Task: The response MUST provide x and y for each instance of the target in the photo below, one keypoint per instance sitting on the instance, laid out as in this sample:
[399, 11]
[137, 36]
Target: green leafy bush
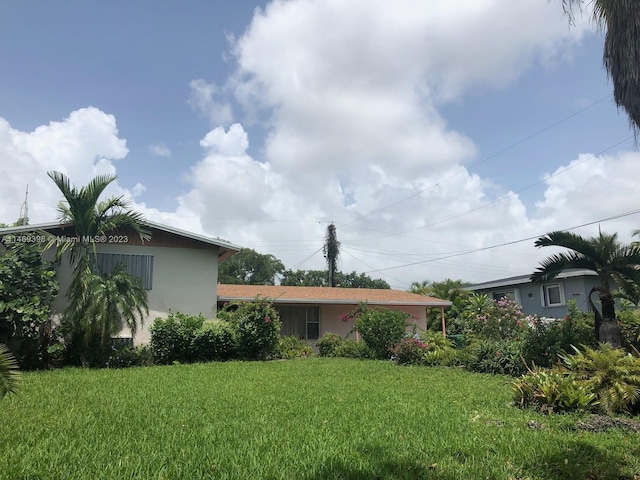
[629, 321]
[293, 347]
[257, 326]
[501, 357]
[441, 350]
[380, 328]
[328, 343]
[172, 337]
[352, 349]
[214, 341]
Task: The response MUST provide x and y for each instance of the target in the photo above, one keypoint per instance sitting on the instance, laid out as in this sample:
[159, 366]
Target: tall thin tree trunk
[609, 329]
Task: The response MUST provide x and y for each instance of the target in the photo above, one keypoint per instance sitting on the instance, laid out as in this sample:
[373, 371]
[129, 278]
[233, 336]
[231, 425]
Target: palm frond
[9, 374]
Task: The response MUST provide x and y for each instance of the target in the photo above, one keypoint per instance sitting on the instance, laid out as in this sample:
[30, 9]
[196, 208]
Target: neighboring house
[178, 268]
[310, 312]
[544, 299]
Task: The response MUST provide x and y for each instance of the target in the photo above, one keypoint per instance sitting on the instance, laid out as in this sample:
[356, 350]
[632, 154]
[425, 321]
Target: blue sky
[423, 132]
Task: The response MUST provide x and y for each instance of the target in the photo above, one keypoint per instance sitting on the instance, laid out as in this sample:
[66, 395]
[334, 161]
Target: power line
[484, 160]
[633, 212]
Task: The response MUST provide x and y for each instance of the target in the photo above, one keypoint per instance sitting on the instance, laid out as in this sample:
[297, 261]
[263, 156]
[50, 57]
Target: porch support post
[444, 328]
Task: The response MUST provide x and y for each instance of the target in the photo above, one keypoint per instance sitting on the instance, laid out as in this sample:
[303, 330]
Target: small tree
[9, 375]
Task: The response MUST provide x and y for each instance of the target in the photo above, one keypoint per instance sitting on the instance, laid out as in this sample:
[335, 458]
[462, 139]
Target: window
[511, 294]
[552, 295]
[301, 322]
[140, 266]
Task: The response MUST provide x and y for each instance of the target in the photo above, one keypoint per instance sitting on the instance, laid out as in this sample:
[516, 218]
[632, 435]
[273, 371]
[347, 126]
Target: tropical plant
[108, 303]
[612, 261]
[612, 374]
[92, 220]
[27, 288]
[490, 319]
[448, 289]
[620, 21]
[9, 375]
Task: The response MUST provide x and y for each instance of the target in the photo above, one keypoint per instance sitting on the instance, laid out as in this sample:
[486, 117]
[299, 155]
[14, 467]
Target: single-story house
[310, 312]
[544, 299]
[179, 269]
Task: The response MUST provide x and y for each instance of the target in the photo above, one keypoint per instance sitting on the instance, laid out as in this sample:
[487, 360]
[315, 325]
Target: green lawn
[302, 419]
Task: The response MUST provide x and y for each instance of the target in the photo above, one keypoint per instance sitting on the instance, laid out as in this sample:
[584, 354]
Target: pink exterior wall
[330, 317]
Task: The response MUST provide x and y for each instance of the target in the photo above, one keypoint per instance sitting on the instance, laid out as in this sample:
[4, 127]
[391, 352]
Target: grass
[302, 419]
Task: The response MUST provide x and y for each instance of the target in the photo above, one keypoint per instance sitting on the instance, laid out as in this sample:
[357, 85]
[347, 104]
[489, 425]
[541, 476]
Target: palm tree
[620, 19]
[92, 293]
[9, 375]
[612, 261]
[110, 302]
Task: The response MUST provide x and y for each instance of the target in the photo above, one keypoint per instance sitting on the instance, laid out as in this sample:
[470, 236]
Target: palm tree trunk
[609, 329]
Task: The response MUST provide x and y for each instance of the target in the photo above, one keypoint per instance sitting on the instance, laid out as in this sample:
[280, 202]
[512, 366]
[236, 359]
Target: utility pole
[24, 209]
[331, 251]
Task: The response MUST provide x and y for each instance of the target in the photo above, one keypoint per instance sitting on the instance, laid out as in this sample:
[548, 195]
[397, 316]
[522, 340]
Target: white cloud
[160, 149]
[81, 146]
[203, 99]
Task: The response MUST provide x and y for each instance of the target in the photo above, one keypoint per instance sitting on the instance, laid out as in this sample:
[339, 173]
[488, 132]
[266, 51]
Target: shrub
[215, 341]
[494, 320]
[352, 349]
[381, 328]
[545, 340]
[257, 325]
[328, 343]
[410, 351]
[129, 356]
[172, 337]
[293, 347]
[502, 357]
[629, 320]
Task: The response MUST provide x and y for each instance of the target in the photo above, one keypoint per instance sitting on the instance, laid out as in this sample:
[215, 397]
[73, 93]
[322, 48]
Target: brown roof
[283, 294]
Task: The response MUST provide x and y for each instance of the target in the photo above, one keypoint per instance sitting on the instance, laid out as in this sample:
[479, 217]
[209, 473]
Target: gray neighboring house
[544, 299]
[179, 269]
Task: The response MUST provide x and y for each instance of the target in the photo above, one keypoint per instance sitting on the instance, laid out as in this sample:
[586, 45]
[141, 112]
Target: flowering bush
[410, 351]
[546, 339]
[496, 320]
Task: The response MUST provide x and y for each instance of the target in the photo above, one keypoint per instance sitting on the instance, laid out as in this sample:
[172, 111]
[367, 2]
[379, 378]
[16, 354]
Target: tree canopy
[248, 267]
[320, 278]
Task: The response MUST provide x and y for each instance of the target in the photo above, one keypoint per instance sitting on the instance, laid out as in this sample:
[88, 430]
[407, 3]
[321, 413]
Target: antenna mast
[24, 209]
